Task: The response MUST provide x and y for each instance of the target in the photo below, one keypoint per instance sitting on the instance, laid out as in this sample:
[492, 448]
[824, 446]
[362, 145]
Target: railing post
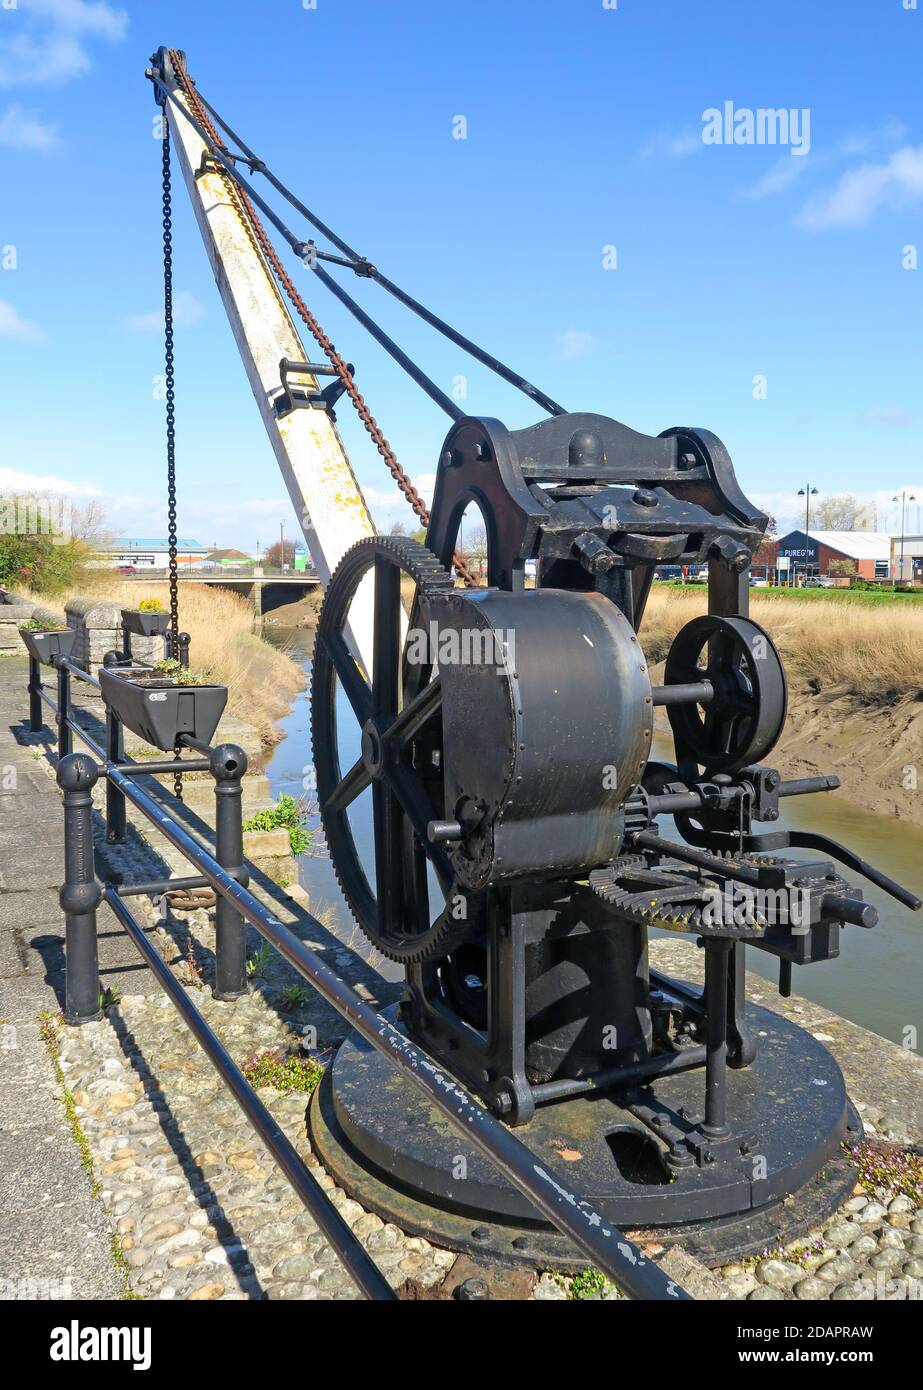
[80, 892]
[35, 699]
[115, 799]
[228, 765]
[65, 739]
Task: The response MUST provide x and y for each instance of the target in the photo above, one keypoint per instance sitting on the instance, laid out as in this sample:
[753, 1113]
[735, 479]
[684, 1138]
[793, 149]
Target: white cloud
[673, 146]
[777, 179]
[19, 329]
[881, 508]
[55, 49]
[575, 342]
[14, 481]
[389, 506]
[890, 415]
[80, 17]
[861, 192]
[22, 130]
[187, 312]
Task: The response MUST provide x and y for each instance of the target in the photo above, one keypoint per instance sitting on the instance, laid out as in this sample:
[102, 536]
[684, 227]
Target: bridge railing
[548, 1189]
[203, 571]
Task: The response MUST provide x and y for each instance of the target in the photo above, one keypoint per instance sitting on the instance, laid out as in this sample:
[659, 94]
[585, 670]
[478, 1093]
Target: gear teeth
[430, 577]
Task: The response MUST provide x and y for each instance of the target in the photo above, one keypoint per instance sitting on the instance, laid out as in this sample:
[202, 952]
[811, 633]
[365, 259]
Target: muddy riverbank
[875, 750]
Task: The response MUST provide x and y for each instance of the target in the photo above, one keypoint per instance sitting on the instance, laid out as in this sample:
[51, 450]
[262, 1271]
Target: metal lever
[809, 839]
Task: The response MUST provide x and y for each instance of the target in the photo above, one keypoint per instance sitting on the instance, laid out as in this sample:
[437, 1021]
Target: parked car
[819, 581]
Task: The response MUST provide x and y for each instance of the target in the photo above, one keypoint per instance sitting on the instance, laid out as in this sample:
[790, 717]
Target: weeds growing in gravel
[588, 1283]
[284, 1071]
[888, 1173]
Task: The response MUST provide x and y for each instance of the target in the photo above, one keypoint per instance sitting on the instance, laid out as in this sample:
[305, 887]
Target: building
[912, 550]
[145, 554]
[813, 552]
[235, 559]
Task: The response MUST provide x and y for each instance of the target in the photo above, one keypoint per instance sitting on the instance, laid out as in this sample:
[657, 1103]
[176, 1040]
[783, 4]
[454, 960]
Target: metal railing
[547, 1188]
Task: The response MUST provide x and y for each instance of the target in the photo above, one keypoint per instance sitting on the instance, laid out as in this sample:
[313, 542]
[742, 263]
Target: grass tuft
[283, 1071]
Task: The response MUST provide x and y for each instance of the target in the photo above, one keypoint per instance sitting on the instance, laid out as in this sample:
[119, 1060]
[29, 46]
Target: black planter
[145, 624]
[159, 711]
[44, 645]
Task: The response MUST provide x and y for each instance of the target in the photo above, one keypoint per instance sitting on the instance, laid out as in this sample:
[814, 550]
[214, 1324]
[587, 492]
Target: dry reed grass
[873, 652]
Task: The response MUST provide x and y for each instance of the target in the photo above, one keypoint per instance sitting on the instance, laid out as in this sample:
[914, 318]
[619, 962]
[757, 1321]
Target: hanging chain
[249, 217]
[169, 382]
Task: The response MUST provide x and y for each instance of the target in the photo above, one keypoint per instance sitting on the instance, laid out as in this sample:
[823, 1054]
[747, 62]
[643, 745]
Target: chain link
[169, 383]
[249, 217]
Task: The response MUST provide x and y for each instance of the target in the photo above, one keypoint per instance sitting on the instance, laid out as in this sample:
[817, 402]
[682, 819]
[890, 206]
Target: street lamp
[807, 492]
[904, 498]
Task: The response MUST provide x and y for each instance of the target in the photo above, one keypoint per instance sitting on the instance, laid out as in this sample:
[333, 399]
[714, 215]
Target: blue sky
[734, 262]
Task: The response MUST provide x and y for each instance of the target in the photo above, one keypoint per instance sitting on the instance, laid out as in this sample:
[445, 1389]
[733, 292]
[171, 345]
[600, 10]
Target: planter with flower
[159, 703]
[149, 619]
[45, 640]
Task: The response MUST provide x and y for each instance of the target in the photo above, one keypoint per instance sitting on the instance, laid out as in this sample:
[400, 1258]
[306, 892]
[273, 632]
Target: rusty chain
[250, 219]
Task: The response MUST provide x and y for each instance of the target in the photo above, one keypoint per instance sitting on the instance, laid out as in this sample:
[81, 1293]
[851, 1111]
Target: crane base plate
[393, 1151]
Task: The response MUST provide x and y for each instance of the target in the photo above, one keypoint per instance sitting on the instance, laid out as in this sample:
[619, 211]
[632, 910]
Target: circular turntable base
[389, 1147]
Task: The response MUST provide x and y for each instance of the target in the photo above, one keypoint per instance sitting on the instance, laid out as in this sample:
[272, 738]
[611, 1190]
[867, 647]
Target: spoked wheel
[399, 713]
[744, 718]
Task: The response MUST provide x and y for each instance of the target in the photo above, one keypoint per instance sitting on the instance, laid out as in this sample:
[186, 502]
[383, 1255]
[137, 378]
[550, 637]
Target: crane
[296, 414]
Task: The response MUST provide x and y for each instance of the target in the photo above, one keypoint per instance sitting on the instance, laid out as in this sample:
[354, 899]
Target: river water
[876, 982]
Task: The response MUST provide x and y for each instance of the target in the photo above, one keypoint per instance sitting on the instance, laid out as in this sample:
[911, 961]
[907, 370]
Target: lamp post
[807, 492]
[904, 498]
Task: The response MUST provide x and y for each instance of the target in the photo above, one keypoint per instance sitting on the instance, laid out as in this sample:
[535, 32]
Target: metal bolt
[473, 1290]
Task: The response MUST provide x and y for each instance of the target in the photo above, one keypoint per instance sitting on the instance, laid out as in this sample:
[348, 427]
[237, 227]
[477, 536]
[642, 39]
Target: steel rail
[365, 268]
[353, 1254]
[545, 1187]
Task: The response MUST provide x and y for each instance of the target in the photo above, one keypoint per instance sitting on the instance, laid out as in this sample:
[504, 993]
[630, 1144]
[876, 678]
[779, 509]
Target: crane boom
[323, 488]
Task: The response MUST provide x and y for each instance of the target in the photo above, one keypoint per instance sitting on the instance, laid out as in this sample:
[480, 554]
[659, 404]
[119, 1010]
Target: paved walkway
[54, 1237]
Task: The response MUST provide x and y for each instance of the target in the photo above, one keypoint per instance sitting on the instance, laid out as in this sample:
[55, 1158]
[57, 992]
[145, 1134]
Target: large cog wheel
[399, 714]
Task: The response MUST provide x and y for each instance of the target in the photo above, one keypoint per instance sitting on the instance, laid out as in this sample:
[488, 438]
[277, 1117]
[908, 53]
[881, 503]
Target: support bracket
[298, 396]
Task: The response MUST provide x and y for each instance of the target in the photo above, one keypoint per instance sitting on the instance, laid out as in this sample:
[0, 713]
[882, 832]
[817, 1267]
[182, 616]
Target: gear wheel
[401, 765]
[668, 896]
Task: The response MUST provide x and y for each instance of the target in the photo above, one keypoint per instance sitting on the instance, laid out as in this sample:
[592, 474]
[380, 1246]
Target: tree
[843, 513]
[843, 569]
[475, 551]
[399, 529]
[39, 548]
[275, 555]
[765, 553]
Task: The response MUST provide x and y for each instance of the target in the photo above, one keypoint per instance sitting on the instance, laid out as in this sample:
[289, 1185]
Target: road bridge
[265, 589]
